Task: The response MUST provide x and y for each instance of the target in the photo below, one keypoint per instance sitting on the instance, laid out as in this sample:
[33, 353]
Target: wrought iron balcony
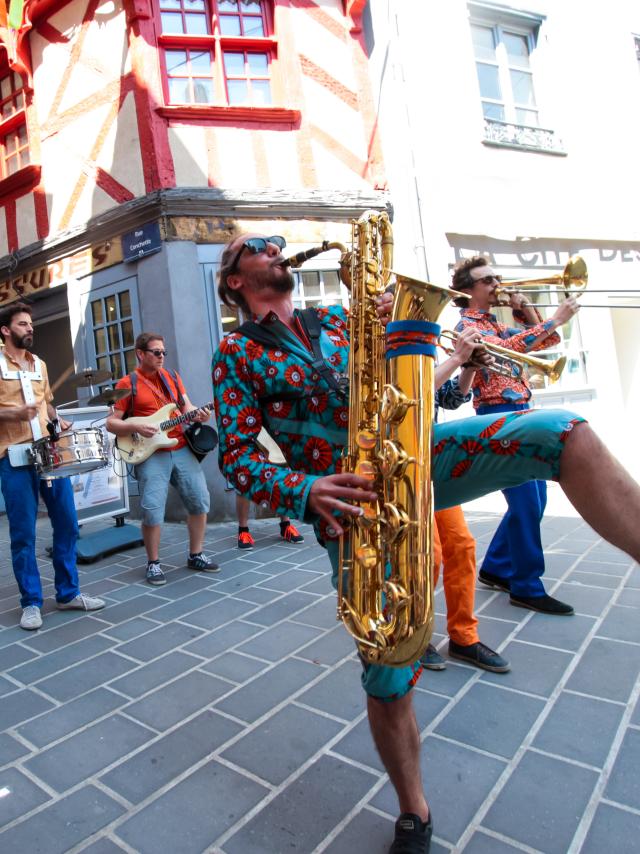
[522, 137]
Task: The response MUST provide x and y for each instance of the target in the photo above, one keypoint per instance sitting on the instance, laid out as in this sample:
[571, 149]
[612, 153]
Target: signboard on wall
[142, 241]
[75, 266]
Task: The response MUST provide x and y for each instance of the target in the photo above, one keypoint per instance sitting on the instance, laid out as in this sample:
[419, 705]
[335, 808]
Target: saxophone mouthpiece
[299, 258]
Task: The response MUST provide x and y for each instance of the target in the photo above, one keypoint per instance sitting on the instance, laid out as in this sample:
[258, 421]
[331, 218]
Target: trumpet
[511, 364]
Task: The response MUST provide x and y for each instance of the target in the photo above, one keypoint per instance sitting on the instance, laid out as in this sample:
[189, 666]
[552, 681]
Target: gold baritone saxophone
[385, 580]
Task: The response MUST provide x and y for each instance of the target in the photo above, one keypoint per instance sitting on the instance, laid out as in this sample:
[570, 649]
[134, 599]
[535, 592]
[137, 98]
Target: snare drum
[74, 452]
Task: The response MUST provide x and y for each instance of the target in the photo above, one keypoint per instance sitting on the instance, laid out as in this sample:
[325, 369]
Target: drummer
[25, 413]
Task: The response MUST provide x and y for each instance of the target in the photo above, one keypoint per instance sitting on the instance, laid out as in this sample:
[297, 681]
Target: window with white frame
[503, 45]
[504, 73]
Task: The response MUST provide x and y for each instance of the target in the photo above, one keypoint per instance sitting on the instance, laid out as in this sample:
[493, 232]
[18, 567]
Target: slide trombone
[572, 281]
[509, 363]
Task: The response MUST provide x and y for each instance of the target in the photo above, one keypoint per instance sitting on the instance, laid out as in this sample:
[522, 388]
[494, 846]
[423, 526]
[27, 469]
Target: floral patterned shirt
[255, 385]
[490, 388]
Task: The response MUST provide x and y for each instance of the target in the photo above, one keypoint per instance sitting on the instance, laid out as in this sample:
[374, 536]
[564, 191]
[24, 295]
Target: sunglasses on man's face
[488, 280]
[157, 353]
[255, 245]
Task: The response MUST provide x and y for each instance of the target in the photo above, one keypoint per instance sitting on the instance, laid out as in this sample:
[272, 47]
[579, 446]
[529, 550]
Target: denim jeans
[20, 488]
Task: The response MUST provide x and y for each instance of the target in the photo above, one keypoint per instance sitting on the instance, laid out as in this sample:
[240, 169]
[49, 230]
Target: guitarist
[152, 388]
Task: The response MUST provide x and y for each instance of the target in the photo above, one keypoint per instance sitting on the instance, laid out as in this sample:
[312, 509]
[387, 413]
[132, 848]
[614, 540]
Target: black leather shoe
[545, 604]
[492, 580]
[479, 655]
[413, 836]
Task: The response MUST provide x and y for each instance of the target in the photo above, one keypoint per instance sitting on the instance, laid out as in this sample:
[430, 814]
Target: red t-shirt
[151, 395]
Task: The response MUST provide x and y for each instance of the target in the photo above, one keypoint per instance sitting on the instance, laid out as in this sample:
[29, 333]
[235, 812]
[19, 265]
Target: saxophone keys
[397, 522]
[395, 404]
[393, 460]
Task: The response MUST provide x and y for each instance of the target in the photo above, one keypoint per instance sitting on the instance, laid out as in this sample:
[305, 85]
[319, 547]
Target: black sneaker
[413, 836]
[492, 580]
[545, 604]
[479, 655]
[432, 660]
[155, 575]
[202, 562]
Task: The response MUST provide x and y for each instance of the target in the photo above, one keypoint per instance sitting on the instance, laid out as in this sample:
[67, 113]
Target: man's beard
[276, 277]
[22, 342]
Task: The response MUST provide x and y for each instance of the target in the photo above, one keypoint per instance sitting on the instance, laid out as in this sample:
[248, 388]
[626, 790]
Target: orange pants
[455, 549]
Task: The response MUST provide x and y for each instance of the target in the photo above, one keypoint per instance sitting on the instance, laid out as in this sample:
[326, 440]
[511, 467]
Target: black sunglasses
[488, 280]
[255, 245]
[156, 353]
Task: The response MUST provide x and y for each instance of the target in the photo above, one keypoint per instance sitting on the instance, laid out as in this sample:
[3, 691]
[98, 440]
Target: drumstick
[63, 376]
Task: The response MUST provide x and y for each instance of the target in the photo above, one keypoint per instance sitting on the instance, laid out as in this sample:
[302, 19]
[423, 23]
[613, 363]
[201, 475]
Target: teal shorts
[472, 457]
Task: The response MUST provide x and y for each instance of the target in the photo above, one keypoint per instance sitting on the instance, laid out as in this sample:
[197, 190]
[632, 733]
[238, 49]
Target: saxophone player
[275, 377]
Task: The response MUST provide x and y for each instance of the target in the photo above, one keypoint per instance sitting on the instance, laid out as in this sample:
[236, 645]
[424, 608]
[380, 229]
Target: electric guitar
[135, 448]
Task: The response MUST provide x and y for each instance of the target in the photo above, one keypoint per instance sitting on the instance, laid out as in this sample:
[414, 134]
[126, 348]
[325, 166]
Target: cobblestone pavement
[224, 713]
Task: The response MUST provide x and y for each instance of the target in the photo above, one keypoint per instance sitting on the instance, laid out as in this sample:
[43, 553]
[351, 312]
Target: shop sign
[143, 241]
[75, 266]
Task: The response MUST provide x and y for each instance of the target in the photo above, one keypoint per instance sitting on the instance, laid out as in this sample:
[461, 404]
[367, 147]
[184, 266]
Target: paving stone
[580, 728]
[45, 665]
[131, 608]
[629, 597]
[506, 716]
[606, 670]
[257, 595]
[69, 762]
[621, 623]
[534, 669]
[280, 641]
[358, 746]
[131, 591]
[237, 668]
[103, 846]
[339, 693]
[131, 629]
[590, 601]
[70, 717]
[149, 676]
[449, 681]
[498, 607]
[213, 643]
[292, 579]
[10, 749]
[454, 776]
[494, 632]
[158, 641]
[566, 633]
[284, 608]
[606, 553]
[251, 701]
[285, 825]
[62, 825]
[83, 626]
[593, 579]
[614, 570]
[167, 758]
[624, 780]
[366, 833]
[330, 648]
[560, 792]
[427, 705]
[6, 686]
[172, 703]
[20, 706]
[201, 821]
[12, 656]
[633, 581]
[612, 830]
[219, 613]
[21, 795]
[282, 743]
[240, 582]
[184, 605]
[482, 843]
[83, 677]
[322, 614]
[635, 717]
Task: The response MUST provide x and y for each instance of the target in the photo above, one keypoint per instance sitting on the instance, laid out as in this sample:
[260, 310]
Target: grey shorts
[178, 468]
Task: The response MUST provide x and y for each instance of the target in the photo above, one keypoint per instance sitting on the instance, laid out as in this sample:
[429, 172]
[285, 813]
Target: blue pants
[515, 551]
[20, 488]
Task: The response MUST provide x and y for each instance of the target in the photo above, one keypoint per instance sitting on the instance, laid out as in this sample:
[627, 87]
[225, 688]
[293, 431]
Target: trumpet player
[514, 561]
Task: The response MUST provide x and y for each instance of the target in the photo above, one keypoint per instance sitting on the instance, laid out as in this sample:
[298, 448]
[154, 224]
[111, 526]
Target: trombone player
[514, 561]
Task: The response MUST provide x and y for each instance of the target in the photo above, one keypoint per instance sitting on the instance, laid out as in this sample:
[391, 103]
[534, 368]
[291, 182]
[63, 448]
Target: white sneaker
[30, 618]
[81, 603]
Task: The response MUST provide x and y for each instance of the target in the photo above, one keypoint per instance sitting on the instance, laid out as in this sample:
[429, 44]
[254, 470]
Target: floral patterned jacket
[256, 386]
